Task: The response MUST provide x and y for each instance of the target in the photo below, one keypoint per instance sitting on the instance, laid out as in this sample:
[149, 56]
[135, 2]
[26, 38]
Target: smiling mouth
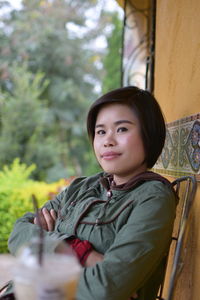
[109, 156]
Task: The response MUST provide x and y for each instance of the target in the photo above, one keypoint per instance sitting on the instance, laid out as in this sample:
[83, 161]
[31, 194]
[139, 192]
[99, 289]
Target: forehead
[116, 110]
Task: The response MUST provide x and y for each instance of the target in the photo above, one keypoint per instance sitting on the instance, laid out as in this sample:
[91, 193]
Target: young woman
[119, 222]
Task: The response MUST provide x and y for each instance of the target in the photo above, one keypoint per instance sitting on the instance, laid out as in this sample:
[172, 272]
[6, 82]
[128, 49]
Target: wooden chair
[186, 189]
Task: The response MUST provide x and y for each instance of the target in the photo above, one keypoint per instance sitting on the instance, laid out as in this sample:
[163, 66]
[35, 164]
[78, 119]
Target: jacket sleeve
[25, 229]
[138, 249]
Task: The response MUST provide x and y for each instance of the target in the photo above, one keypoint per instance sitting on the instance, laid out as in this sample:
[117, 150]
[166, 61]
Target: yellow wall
[177, 71]
[177, 88]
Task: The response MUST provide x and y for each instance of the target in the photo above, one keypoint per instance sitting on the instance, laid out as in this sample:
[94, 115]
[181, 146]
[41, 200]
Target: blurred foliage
[26, 129]
[48, 72]
[112, 59]
[16, 189]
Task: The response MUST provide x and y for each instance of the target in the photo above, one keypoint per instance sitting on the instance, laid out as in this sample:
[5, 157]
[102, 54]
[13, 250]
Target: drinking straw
[41, 232]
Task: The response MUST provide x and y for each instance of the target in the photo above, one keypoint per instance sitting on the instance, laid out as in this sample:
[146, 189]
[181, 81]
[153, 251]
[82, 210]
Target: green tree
[112, 59]
[54, 38]
[25, 130]
[41, 33]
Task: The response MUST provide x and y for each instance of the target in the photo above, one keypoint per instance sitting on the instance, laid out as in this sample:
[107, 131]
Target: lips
[110, 155]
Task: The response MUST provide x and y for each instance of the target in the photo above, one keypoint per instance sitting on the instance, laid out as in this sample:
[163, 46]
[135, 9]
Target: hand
[93, 258]
[134, 296]
[47, 219]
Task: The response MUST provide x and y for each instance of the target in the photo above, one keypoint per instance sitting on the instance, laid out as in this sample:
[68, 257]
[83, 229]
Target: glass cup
[55, 278]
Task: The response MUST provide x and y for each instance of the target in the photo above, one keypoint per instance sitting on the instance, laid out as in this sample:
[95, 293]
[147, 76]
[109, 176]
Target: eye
[122, 129]
[100, 132]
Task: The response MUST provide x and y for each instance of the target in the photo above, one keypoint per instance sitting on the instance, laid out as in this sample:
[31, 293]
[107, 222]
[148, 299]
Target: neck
[120, 179]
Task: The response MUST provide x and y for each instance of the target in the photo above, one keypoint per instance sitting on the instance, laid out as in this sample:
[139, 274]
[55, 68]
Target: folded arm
[137, 251]
[26, 227]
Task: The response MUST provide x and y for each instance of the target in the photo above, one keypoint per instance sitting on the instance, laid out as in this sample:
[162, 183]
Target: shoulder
[157, 196]
[84, 183]
[156, 190]
[156, 186]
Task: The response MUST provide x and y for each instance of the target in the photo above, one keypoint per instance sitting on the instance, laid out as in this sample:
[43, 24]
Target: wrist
[81, 248]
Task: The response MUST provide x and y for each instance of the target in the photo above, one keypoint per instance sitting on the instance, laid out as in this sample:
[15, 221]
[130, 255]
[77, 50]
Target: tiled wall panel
[181, 153]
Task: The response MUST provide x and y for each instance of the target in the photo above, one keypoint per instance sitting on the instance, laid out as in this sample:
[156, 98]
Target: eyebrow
[116, 123]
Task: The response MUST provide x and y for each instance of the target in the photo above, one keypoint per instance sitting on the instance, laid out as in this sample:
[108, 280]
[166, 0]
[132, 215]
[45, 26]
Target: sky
[99, 43]
[109, 4]
[15, 3]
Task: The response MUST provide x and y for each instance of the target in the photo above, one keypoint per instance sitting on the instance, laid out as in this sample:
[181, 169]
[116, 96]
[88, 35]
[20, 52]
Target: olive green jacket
[132, 228]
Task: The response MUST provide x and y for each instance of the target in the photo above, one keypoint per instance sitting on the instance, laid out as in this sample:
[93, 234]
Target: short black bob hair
[147, 109]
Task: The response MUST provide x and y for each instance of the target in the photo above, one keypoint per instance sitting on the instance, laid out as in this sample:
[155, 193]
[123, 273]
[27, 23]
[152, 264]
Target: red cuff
[81, 248]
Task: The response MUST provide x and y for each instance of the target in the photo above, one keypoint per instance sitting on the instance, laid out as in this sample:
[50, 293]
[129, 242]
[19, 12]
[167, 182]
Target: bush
[16, 190]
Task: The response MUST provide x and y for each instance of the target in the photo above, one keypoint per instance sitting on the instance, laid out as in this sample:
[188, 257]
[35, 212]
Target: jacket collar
[109, 184]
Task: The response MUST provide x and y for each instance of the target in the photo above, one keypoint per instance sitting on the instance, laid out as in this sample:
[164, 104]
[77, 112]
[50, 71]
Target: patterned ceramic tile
[181, 153]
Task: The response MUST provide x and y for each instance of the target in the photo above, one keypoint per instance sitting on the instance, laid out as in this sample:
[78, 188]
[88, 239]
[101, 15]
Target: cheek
[134, 143]
[95, 146]
[128, 141]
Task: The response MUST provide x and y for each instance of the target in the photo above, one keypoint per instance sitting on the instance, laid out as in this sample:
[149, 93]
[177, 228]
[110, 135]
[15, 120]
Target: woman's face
[117, 142]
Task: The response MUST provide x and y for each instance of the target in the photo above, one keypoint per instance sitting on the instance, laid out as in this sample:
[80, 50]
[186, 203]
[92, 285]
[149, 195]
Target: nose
[109, 140]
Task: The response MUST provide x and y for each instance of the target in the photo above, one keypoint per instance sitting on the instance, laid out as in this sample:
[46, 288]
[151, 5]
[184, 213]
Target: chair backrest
[186, 189]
